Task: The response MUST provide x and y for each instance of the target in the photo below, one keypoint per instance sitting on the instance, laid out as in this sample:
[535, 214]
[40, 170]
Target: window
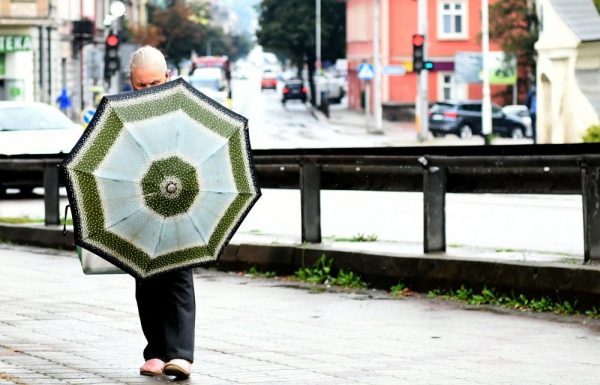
[452, 20]
[448, 89]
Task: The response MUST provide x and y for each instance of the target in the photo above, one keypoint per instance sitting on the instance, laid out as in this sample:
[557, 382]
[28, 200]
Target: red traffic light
[418, 40]
[112, 40]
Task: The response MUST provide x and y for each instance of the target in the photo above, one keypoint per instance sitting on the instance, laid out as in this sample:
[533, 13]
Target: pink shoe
[178, 368]
[153, 367]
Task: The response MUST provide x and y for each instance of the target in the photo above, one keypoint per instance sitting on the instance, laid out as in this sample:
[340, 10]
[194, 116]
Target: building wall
[400, 19]
[564, 112]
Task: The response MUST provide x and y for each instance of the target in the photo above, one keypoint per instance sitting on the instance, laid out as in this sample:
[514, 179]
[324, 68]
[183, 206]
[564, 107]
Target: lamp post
[318, 52]
[486, 111]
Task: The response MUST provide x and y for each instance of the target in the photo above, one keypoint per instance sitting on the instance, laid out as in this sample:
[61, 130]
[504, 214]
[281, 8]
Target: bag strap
[65, 224]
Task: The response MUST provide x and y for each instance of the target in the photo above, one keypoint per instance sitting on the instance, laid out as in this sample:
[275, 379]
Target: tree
[174, 31]
[289, 27]
[514, 26]
[597, 4]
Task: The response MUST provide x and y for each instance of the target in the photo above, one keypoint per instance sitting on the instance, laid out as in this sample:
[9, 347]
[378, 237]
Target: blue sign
[396, 70]
[366, 72]
[87, 115]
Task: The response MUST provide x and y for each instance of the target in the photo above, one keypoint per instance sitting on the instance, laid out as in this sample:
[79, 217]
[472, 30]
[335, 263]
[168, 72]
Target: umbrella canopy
[160, 180]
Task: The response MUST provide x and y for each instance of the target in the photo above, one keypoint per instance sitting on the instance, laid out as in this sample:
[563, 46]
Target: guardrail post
[590, 191]
[434, 202]
[310, 196]
[52, 216]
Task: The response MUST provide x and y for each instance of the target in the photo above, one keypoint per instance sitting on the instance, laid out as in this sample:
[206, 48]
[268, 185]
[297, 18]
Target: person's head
[147, 68]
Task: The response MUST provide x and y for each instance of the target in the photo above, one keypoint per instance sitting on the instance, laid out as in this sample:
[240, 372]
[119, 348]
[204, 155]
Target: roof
[582, 16]
[589, 83]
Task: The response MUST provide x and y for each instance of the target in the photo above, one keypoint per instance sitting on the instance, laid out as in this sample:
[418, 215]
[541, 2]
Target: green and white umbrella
[160, 180]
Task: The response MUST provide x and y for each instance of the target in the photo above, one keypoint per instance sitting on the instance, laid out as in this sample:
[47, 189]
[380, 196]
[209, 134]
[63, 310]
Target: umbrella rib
[159, 237]
[197, 229]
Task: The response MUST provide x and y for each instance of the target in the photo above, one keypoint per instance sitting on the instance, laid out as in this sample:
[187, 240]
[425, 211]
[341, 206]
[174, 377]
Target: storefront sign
[468, 67]
[2, 64]
[15, 43]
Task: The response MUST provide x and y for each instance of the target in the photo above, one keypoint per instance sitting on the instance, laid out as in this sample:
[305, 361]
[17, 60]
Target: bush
[592, 135]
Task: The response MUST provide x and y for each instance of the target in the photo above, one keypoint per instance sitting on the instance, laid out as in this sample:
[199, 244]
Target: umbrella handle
[65, 224]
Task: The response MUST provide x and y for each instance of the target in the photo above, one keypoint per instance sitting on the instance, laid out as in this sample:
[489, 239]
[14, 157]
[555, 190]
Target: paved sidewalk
[58, 326]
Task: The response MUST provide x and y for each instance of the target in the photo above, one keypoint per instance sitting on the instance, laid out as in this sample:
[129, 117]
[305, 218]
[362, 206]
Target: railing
[435, 171]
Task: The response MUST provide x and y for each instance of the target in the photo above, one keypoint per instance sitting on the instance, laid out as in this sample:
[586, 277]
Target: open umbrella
[160, 180]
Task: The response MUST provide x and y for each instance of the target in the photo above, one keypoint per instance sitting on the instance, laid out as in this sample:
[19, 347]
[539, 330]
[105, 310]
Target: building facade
[568, 70]
[453, 26]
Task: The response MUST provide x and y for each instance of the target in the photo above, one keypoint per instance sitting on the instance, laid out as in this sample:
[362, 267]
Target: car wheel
[517, 133]
[465, 132]
[437, 135]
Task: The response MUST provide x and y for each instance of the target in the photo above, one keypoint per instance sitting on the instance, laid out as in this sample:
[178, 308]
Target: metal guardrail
[435, 171]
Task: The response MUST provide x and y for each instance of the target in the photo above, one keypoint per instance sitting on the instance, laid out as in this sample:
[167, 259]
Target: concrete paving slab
[257, 331]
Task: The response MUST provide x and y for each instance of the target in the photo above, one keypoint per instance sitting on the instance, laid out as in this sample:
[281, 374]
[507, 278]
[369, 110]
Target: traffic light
[419, 64]
[112, 61]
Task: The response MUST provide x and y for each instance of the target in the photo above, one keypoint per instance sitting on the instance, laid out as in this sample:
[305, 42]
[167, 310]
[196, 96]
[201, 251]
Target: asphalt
[58, 326]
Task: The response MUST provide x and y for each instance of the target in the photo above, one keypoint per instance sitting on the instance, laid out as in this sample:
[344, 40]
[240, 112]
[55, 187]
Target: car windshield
[21, 118]
[441, 107]
[212, 84]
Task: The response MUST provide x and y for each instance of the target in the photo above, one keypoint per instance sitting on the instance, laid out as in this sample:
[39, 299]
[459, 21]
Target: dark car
[463, 118]
[294, 90]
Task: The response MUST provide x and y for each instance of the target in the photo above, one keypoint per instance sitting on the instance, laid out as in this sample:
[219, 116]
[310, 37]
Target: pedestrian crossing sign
[365, 71]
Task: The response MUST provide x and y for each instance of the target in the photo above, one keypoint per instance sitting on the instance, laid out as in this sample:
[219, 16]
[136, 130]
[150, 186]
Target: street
[58, 326]
[525, 224]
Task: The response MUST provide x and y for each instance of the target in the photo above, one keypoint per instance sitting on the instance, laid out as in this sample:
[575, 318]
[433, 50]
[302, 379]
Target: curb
[421, 273]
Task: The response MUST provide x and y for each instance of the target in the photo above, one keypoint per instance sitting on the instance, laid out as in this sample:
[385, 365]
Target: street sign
[366, 72]
[86, 116]
[468, 68]
[394, 70]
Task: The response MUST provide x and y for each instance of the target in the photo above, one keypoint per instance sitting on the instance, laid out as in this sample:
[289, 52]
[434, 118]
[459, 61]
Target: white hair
[145, 57]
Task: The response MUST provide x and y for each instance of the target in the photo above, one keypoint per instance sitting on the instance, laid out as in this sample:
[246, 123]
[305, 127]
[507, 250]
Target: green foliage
[289, 27]
[321, 272]
[514, 26]
[349, 279]
[397, 289]
[597, 4]
[593, 313]
[491, 297]
[255, 272]
[463, 294]
[544, 304]
[317, 273]
[360, 237]
[565, 308]
[592, 135]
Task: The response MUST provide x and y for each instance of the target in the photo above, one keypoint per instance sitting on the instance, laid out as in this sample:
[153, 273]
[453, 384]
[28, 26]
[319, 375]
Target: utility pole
[422, 105]
[318, 52]
[377, 70]
[486, 111]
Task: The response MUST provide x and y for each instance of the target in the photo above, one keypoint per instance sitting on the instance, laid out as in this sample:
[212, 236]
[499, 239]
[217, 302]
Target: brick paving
[58, 326]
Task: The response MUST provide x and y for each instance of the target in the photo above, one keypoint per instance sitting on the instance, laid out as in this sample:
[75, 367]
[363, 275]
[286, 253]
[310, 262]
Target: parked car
[463, 118]
[210, 82]
[29, 128]
[332, 87]
[294, 90]
[523, 112]
[36, 128]
[269, 80]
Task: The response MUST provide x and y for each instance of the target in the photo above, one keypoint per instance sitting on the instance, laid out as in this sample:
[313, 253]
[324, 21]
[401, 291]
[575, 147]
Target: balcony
[21, 11]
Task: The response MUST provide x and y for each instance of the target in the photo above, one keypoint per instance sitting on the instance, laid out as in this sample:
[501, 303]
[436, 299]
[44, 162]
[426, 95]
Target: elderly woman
[166, 303]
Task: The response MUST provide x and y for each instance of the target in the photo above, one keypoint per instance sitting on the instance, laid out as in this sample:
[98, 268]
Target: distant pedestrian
[532, 106]
[64, 101]
[166, 303]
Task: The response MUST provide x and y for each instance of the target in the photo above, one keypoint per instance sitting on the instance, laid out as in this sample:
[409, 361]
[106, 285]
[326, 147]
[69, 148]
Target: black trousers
[167, 308]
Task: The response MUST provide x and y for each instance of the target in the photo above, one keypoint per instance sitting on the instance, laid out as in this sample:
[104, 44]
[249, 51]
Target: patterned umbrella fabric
[161, 179]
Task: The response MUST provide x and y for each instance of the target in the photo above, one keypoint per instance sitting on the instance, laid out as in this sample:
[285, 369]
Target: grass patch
[321, 273]
[492, 297]
[25, 220]
[360, 237]
[253, 271]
